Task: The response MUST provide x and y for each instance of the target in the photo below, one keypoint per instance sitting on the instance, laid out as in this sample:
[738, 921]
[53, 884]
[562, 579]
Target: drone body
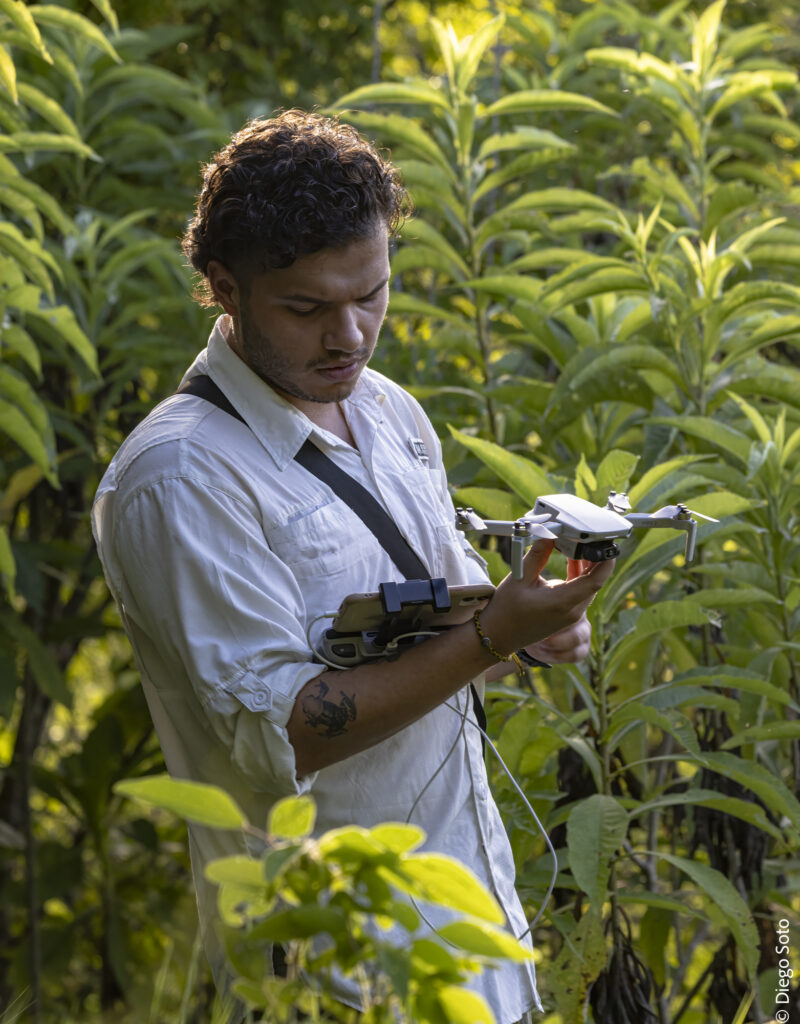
[579, 528]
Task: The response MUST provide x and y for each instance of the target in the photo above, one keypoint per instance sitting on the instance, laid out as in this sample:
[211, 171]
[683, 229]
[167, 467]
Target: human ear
[224, 287]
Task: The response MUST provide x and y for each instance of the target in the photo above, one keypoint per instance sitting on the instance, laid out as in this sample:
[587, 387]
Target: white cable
[392, 646]
[533, 814]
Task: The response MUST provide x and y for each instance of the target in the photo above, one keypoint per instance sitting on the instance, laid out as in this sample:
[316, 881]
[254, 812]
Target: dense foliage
[597, 292]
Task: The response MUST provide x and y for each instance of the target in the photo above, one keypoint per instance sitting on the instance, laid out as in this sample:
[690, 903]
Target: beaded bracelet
[487, 643]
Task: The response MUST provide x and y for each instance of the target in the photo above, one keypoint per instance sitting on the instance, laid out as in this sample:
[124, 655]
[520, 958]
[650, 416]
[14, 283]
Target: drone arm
[641, 519]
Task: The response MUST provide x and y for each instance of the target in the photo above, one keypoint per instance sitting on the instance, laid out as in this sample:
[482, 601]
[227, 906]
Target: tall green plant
[635, 329]
[95, 324]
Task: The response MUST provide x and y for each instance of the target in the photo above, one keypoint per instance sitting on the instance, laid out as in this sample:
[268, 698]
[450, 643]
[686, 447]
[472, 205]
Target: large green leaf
[440, 879]
[74, 23]
[528, 101]
[418, 92]
[714, 432]
[596, 828]
[195, 801]
[404, 130]
[48, 109]
[59, 325]
[42, 142]
[483, 939]
[521, 475]
[716, 886]
[20, 15]
[764, 783]
[655, 621]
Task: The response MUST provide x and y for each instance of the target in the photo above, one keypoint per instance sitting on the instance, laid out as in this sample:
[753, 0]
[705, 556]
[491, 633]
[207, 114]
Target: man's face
[309, 329]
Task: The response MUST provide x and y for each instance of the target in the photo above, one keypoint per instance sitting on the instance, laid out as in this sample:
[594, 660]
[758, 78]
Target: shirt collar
[281, 428]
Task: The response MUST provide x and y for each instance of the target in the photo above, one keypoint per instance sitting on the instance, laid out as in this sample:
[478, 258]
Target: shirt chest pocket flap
[321, 539]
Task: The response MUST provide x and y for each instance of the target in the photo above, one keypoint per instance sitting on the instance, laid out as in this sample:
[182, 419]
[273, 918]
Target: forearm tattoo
[326, 716]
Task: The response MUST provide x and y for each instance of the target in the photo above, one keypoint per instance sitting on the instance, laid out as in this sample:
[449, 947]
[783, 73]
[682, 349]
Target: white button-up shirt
[220, 551]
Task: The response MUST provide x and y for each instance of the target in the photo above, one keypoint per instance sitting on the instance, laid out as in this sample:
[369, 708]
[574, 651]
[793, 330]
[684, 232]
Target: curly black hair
[286, 187]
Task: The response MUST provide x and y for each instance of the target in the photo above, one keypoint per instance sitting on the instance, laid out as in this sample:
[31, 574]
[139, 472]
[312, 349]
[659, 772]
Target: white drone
[579, 528]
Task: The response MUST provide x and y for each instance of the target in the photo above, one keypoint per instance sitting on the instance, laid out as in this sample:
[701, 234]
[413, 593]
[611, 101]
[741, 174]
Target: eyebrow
[313, 300]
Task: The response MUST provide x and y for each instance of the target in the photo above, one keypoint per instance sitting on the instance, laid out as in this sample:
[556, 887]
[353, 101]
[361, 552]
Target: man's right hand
[523, 612]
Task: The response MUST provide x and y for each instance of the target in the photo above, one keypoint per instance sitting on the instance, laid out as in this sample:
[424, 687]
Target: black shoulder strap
[204, 387]
[368, 510]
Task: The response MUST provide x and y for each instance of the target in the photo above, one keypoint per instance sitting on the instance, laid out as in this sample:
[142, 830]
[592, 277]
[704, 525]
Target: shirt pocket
[321, 539]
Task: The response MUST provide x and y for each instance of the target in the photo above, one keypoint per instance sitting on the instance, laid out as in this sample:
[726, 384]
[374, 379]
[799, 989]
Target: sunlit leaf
[292, 818]
[195, 801]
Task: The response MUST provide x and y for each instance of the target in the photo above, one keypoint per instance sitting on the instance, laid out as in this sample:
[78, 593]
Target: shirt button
[260, 699]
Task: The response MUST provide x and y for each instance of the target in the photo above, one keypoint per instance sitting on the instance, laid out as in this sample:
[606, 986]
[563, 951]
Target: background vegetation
[598, 291]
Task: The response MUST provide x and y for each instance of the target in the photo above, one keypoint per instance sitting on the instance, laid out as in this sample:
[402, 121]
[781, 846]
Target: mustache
[340, 359]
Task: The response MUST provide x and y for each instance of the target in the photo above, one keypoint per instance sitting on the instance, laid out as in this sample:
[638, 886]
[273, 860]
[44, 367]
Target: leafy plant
[358, 891]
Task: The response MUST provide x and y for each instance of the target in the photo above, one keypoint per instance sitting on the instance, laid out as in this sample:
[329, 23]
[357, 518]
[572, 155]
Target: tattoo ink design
[325, 715]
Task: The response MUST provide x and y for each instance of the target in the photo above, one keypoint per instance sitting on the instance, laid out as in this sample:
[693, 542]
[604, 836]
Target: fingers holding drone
[526, 611]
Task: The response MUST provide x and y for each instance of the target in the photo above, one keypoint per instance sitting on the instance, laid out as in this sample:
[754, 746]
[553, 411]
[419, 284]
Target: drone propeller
[680, 511]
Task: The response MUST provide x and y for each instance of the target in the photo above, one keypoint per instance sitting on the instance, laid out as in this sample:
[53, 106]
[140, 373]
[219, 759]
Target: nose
[343, 332]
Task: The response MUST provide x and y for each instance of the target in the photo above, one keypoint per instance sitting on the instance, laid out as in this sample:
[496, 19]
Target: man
[224, 553]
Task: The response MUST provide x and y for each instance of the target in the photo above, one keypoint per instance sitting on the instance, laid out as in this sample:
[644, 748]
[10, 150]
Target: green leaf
[410, 305]
[42, 199]
[59, 324]
[483, 939]
[403, 129]
[672, 722]
[769, 731]
[43, 142]
[195, 801]
[8, 74]
[440, 879]
[20, 429]
[522, 137]
[30, 255]
[462, 1006]
[744, 84]
[473, 49]
[300, 922]
[583, 956]
[602, 282]
[395, 92]
[292, 818]
[645, 64]
[638, 357]
[747, 810]
[706, 37]
[521, 475]
[755, 777]
[715, 433]
[8, 567]
[398, 838]
[526, 101]
[48, 109]
[514, 286]
[655, 621]
[657, 473]
[41, 662]
[77, 24]
[724, 894]
[20, 15]
[596, 828]
[238, 869]
[108, 12]
[421, 231]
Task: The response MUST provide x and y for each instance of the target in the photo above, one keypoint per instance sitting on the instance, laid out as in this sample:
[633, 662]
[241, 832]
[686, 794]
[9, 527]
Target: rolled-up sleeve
[199, 580]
